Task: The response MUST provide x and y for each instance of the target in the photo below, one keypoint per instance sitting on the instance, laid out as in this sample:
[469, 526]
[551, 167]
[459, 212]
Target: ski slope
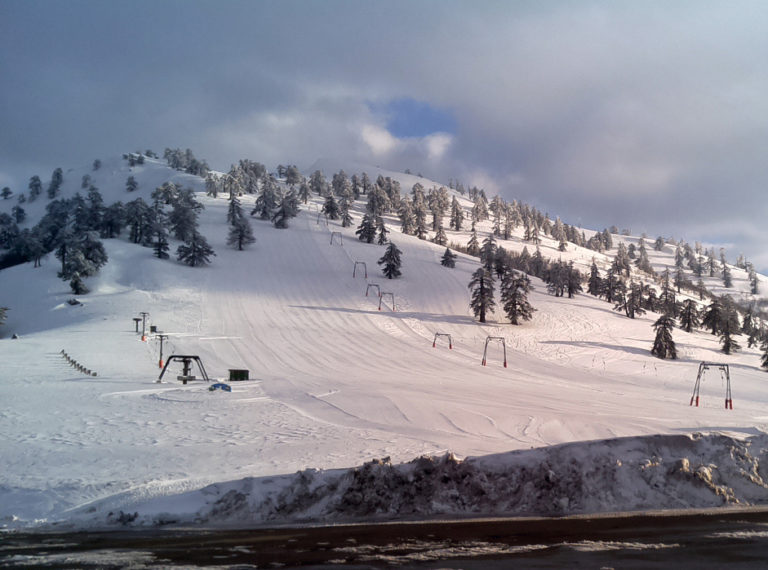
[335, 382]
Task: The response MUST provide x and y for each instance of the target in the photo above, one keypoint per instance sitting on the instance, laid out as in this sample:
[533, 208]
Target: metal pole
[144, 316]
[162, 337]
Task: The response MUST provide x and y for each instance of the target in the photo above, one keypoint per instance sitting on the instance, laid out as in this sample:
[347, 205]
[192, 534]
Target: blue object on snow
[220, 386]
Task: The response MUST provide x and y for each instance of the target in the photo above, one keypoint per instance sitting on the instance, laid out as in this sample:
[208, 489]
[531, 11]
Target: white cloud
[379, 140]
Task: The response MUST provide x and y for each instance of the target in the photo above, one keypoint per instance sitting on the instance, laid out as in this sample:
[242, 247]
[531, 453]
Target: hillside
[335, 382]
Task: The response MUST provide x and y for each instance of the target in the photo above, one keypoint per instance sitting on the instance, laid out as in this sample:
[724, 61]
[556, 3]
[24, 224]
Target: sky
[650, 116]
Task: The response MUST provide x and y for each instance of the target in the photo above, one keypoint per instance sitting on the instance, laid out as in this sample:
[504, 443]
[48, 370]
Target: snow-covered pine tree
[211, 185]
[440, 237]
[630, 301]
[35, 187]
[240, 233]
[160, 243]
[112, 220]
[573, 281]
[663, 344]
[82, 255]
[754, 287]
[287, 208]
[727, 277]
[304, 192]
[346, 217]
[366, 231]
[234, 211]
[595, 283]
[138, 218]
[488, 252]
[293, 176]
[391, 261]
[406, 216]
[195, 251]
[689, 315]
[382, 231]
[55, 185]
[457, 217]
[713, 316]
[473, 246]
[729, 327]
[331, 207]
[420, 218]
[514, 297]
[621, 261]
[18, 213]
[482, 300]
[131, 184]
[267, 200]
[448, 259]
[764, 357]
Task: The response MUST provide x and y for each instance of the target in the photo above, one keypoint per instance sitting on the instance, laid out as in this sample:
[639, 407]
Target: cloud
[646, 115]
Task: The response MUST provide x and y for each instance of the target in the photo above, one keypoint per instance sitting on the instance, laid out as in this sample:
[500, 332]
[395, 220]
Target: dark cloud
[646, 115]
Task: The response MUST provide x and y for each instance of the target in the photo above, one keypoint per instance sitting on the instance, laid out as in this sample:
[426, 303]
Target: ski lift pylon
[361, 264]
[503, 345]
[386, 294]
[446, 335]
[724, 372]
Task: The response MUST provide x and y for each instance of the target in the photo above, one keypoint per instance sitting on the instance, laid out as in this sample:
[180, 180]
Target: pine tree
[482, 300]
[331, 207]
[18, 213]
[160, 244]
[267, 200]
[630, 301]
[727, 278]
[488, 252]
[183, 216]
[304, 192]
[6, 193]
[514, 297]
[382, 231]
[753, 283]
[366, 231]
[689, 316]
[764, 357]
[473, 246]
[448, 259]
[3, 314]
[195, 251]
[440, 237]
[595, 283]
[457, 217]
[727, 341]
[406, 217]
[713, 316]
[56, 180]
[346, 218]
[131, 184]
[729, 327]
[391, 261]
[234, 211]
[240, 233]
[420, 218]
[112, 220]
[621, 261]
[663, 345]
[287, 208]
[35, 188]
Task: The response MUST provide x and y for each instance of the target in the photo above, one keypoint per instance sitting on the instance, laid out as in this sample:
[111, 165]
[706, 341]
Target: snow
[583, 419]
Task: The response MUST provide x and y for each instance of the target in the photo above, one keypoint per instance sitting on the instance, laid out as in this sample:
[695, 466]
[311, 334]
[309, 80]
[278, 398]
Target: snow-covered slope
[335, 382]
